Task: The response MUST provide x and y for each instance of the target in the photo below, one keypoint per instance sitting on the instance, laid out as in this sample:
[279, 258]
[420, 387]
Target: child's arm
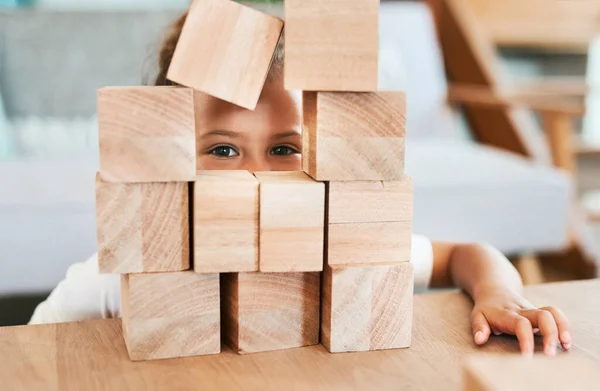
[496, 288]
[84, 294]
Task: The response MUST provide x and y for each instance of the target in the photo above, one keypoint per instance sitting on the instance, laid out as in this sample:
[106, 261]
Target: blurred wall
[52, 63]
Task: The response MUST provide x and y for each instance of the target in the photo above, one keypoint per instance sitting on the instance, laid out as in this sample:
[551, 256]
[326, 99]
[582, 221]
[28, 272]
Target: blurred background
[503, 126]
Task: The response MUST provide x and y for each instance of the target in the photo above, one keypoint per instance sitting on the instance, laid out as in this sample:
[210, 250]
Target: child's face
[265, 139]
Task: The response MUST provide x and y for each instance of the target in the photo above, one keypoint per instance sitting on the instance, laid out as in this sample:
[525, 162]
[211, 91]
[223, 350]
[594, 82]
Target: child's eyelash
[293, 150]
[213, 151]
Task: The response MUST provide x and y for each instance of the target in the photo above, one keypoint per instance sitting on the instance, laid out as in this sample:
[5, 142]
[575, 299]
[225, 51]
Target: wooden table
[92, 355]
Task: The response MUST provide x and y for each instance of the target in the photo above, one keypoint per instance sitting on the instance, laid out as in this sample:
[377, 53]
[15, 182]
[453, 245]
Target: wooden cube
[331, 45]
[292, 219]
[380, 201]
[494, 372]
[225, 222]
[354, 136]
[270, 311]
[367, 307]
[225, 50]
[142, 227]
[169, 315]
[147, 134]
[363, 243]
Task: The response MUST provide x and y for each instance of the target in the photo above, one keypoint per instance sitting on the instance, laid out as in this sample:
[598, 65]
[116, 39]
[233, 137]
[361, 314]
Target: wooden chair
[496, 115]
[546, 25]
[554, 26]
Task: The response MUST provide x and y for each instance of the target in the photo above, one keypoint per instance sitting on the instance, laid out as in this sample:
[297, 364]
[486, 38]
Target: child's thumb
[481, 328]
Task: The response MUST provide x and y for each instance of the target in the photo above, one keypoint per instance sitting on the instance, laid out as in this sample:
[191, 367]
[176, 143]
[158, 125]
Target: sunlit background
[55, 54]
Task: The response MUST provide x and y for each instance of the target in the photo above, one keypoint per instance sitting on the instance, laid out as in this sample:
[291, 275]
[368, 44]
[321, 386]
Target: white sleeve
[83, 295]
[421, 256]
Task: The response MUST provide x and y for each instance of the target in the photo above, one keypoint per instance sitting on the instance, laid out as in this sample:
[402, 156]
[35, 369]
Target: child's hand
[498, 310]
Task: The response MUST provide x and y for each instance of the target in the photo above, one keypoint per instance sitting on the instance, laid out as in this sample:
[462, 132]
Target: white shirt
[86, 294]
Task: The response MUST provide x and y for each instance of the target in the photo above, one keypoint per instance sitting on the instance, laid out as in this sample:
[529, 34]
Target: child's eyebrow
[221, 132]
[288, 133]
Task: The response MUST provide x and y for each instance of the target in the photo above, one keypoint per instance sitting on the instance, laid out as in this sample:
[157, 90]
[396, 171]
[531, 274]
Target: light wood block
[270, 311]
[225, 50]
[225, 222]
[361, 243]
[380, 201]
[494, 372]
[354, 136]
[329, 50]
[147, 134]
[169, 315]
[292, 218]
[142, 227]
[367, 307]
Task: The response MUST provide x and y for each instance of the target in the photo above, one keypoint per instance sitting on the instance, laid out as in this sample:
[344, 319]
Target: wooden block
[169, 315]
[147, 134]
[292, 218]
[142, 227]
[225, 50]
[270, 311]
[329, 50]
[361, 243]
[225, 222]
[354, 136]
[494, 372]
[367, 307]
[380, 201]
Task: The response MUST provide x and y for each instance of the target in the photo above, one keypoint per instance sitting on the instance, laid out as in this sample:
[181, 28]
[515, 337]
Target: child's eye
[283, 150]
[223, 151]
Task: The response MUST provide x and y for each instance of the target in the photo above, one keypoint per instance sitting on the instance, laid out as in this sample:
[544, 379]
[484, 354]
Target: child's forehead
[207, 103]
[297, 96]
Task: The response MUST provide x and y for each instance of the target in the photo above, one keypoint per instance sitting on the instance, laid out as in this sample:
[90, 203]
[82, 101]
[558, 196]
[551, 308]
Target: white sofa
[463, 191]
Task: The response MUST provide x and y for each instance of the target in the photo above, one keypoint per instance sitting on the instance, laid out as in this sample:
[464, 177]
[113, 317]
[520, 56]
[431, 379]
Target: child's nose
[256, 165]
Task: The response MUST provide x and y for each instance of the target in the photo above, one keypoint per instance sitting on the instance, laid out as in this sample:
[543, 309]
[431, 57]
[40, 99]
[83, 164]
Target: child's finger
[481, 328]
[524, 332]
[547, 325]
[564, 330]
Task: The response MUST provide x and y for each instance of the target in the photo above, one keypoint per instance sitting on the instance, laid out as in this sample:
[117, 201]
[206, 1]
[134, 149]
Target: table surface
[92, 355]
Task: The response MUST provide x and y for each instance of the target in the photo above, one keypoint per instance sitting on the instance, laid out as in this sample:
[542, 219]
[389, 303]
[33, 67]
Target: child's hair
[167, 50]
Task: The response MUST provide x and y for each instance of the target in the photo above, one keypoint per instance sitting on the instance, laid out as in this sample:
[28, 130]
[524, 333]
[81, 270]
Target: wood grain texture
[292, 219]
[329, 50]
[142, 227]
[35, 365]
[367, 307]
[169, 315]
[225, 50]
[225, 222]
[497, 372]
[147, 134]
[92, 355]
[354, 136]
[380, 201]
[357, 243]
[270, 311]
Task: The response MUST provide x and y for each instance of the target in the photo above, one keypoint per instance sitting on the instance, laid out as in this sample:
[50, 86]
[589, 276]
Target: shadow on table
[17, 310]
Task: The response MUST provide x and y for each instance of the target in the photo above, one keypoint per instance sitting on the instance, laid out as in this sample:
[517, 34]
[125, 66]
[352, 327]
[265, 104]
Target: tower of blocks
[266, 260]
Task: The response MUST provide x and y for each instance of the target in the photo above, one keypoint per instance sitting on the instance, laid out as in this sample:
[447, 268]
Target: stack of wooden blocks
[268, 260]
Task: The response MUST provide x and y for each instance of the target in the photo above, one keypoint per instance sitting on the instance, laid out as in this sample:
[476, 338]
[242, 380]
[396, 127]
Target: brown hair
[169, 44]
